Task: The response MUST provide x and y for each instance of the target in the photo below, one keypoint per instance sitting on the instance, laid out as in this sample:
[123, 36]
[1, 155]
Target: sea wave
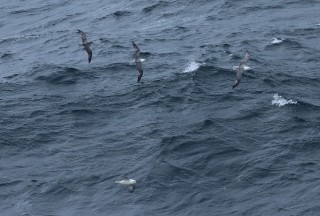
[280, 101]
[193, 66]
[181, 125]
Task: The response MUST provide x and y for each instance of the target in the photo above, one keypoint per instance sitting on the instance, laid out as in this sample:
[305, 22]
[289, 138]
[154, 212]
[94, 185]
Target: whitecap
[193, 66]
[280, 101]
[276, 40]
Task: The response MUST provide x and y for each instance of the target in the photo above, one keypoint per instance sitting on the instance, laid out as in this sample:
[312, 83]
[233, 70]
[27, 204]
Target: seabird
[86, 44]
[129, 182]
[240, 69]
[276, 40]
[138, 61]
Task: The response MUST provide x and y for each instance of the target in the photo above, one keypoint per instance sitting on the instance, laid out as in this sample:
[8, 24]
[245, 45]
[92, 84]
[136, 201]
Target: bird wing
[245, 59]
[83, 36]
[138, 61]
[238, 76]
[137, 54]
[89, 51]
[132, 187]
[140, 70]
[135, 46]
[240, 69]
[140, 76]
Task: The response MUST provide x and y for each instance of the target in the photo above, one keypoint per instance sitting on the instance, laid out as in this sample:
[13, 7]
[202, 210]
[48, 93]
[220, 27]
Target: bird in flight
[86, 44]
[128, 182]
[138, 61]
[240, 69]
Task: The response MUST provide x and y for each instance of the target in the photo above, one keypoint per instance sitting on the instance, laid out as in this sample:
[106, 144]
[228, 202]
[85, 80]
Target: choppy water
[196, 146]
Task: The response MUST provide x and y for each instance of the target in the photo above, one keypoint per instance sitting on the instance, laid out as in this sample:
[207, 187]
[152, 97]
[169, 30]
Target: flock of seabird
[85, 43]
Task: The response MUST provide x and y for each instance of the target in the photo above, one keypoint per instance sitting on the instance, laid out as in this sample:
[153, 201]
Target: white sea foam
[280, 101]
[22, 37]
[276, 40]
[245, 68]
[193, 66]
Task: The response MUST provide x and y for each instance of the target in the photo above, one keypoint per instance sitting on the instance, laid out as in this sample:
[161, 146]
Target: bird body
[128, 182]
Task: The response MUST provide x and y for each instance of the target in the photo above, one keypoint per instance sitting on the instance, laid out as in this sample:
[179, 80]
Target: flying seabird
[129, 182]
[86, 44]
[240, 69]
[138, 61]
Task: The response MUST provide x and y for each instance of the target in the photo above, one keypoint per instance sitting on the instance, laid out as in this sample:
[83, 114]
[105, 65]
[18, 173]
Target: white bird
[129, 182]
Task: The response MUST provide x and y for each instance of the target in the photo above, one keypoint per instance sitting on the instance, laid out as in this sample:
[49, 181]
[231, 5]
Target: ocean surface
[69, 129]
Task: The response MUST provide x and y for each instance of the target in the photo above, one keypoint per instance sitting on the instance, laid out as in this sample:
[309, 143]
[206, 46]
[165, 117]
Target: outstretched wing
[137, 54]
[245, 59]
[83, 36]
[140, 70]
[138, 61]
[238, 76]
[132, 187]
[240, 69]
[140, 75]
[89, 51]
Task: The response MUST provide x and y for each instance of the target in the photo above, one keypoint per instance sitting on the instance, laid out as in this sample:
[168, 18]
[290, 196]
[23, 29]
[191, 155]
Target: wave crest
[280, 101]
[193, 66]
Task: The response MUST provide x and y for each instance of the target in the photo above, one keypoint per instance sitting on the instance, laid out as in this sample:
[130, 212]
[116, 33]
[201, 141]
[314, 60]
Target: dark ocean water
[70, 129]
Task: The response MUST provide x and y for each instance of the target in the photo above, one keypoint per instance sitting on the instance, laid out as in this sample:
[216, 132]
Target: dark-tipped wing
[83, 36]
[245, 59]
[135, 46]
[238, 76]
[138, 61]
[139, 67]
[137, 54]
[132, 187]
[89, 51]
[240, 69]
[140, 76]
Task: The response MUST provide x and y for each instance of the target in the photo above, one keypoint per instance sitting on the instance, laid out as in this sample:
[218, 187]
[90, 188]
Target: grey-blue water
[195, 146]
